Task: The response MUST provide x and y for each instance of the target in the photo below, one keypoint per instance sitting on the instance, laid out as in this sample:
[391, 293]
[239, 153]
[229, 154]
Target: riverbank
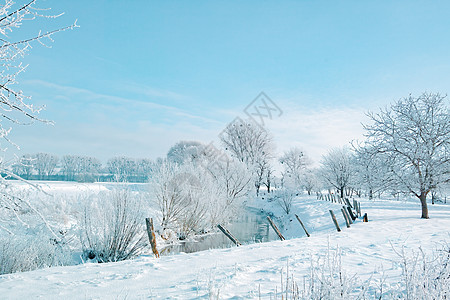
[367, 250]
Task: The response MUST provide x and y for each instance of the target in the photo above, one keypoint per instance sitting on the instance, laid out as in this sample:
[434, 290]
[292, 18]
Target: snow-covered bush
[20, 254]
[112, 227]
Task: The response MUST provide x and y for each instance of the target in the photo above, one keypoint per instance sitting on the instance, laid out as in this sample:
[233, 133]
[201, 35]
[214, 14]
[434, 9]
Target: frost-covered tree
[247, 141]
[45, 164]
[90, 167]
[70, 166]
[144, 167]
[77, 167]
[251, 144]
[413, 136]
[373, 175]
[24, 166]
[294, 162]
[185, 151]
[261, 173]
[270, 178]
[336, 168]
[310, 181]
[121, 167]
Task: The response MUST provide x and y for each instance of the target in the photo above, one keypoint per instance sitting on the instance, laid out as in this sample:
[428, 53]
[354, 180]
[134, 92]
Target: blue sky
[138, 76]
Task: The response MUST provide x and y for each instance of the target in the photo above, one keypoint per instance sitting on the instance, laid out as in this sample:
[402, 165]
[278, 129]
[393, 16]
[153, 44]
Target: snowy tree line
[405, 151]
[45, 166]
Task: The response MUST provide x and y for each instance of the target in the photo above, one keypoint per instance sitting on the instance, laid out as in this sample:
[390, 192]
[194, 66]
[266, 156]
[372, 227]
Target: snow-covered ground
[368, 249]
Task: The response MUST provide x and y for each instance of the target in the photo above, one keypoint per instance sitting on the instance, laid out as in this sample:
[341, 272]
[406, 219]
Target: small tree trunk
[423, 201]
[342, 192]
[370, 194]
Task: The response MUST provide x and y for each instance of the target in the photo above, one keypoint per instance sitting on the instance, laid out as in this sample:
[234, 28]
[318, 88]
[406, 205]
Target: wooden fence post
[301, 223]
[151, 235]
[347, 215]
[347, 222]
[229, 235]
[275, 228]
[334, 220]
[365, 218]
[350, 212]
[348, 202]
[358, 208]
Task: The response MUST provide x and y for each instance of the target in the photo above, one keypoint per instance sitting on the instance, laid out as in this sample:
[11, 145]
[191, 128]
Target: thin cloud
[316, 131]
[153, 92]
[115, 103]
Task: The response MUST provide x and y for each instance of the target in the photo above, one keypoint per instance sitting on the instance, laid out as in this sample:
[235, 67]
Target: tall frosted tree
[251, 144]
[413, 138]
[372, 173]
[336, 169]
[45, 164]
[121, 167]
[295, 162]
[185, 151]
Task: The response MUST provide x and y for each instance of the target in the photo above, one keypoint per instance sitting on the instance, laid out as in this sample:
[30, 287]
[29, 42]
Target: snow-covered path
[238, 272]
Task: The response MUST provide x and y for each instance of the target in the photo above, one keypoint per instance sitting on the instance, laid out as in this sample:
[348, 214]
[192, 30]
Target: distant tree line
[45, 166]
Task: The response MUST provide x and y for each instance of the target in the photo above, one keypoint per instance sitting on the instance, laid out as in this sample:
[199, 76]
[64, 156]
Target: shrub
[112, 228]
[20, 254]
[285, 199]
